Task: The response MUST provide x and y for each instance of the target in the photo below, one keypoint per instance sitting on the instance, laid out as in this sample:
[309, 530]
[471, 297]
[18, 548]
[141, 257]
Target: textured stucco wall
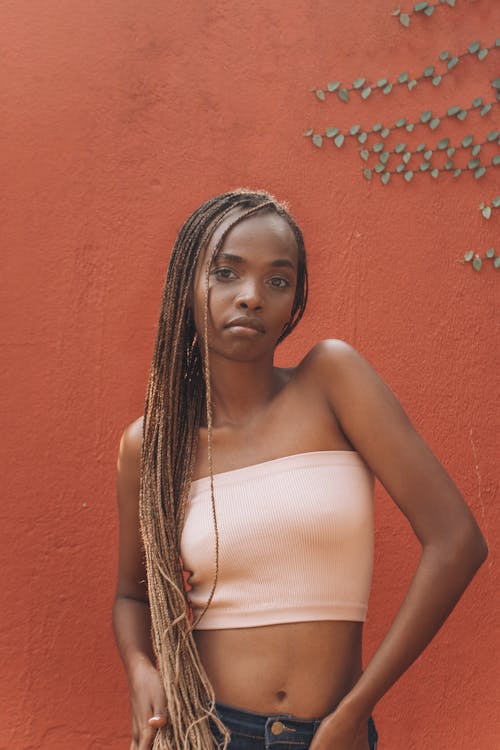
[120, 118]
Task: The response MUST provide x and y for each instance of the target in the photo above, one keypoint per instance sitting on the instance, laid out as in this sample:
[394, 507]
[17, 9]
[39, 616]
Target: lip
[254, 324]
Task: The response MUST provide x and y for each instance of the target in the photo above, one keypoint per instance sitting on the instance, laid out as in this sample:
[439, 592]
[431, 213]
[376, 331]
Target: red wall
[121, 117]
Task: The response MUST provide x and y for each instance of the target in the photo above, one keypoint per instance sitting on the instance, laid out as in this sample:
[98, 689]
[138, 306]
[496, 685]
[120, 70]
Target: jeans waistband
[277, 727]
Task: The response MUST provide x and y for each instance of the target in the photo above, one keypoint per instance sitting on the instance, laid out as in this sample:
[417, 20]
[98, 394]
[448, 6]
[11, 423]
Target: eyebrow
[279, 263]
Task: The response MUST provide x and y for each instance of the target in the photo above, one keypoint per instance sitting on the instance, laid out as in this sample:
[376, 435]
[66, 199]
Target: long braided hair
[178, 394]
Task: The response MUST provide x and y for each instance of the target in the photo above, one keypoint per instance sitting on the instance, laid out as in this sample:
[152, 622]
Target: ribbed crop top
[295, 541]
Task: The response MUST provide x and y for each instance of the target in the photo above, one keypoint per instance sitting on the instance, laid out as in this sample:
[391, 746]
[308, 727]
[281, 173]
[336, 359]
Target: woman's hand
[340, 731]
[147, 705]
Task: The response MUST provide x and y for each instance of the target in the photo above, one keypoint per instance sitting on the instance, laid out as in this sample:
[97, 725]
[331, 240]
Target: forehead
[264, 231]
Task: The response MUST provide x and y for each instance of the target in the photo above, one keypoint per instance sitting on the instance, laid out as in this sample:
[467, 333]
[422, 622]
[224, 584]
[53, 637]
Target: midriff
[302, 668]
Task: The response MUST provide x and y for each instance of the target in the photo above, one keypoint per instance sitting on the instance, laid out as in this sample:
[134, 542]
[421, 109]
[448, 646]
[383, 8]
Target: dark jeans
[255, 731]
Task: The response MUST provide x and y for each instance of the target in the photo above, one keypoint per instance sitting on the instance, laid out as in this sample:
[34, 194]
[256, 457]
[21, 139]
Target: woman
[259, 481]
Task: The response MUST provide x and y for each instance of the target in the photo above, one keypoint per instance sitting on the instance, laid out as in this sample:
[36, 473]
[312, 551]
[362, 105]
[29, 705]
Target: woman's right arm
[131, 614]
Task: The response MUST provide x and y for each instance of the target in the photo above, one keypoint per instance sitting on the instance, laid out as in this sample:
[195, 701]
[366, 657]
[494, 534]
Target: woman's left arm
[453, 547]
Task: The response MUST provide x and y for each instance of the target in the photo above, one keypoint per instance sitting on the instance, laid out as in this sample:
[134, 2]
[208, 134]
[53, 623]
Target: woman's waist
[304, 668]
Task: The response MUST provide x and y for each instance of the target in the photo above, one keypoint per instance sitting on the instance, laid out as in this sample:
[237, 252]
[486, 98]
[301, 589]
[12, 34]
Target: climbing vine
[422, 158]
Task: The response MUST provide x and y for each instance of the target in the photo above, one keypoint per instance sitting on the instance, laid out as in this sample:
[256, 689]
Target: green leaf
[377, 127]
[382, 82]
[444, 55]
[425, 166]
[367, 174]
[419, 6]
[448, 165]
[385, 132]
[387, 89]
[333, 85]
[408, 175]
[404, 19]
[476, 149]
[400, 168]
[477, 101]
[379, 146]
[412, 84]
[406, 157]
[496, 160]
[354, 129]
[467, 141]
[496, 262]
[457, 172]
[490, 252]
[399, 123]
[410, 126]
[482, 54]
[469, 255]
[364, 154]
[366, 92]
[479, 172]
[343, 94]
[452, 62]
[462, 114]
[403, 77]
[399, 147]
[358, 83]
[453, 110]
[395, 12]
[379, 167]
[486, 212]
[385, 177]
[435, 173]
[436, 80]
[496, 83]
[473, 48]
[477, 263]
[450, 151]
[310, 131]
[429, 11]
[420, 147]
[451, 3]
[320, 94]
[428, 154]
[434, 123]
[384, 157]
[496, 201]
[473, 163]
[362, 137]
[331, 132]
[426, 116]
[339, 140]
[443, 144]
[428, 71]
[317, 140]
[492, 135]
[485, 110]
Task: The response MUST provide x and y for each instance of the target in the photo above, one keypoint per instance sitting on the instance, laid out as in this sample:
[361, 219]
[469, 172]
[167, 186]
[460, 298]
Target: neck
[240, 390]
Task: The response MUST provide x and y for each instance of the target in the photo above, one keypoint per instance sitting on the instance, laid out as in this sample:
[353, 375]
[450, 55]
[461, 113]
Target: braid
[178, 394]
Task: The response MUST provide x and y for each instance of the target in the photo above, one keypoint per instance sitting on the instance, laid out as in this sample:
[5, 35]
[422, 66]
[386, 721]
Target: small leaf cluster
[477, 260]
[422, 8]
[486, 209]
[366, 87]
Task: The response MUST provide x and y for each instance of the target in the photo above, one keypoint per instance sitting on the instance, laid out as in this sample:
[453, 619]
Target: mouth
[248, 324]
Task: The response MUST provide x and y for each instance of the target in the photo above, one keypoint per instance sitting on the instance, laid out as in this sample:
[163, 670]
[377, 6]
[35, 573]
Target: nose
[250, 297]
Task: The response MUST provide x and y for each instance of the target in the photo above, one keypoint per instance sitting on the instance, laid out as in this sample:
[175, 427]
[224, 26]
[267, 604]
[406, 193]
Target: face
[252, 285]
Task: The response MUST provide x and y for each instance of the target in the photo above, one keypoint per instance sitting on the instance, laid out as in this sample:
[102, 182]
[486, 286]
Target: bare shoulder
[378, 427]
[129, 451]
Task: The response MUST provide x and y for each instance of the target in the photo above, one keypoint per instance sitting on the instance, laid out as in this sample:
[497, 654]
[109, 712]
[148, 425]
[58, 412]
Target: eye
[223, 273]
[279, 282]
